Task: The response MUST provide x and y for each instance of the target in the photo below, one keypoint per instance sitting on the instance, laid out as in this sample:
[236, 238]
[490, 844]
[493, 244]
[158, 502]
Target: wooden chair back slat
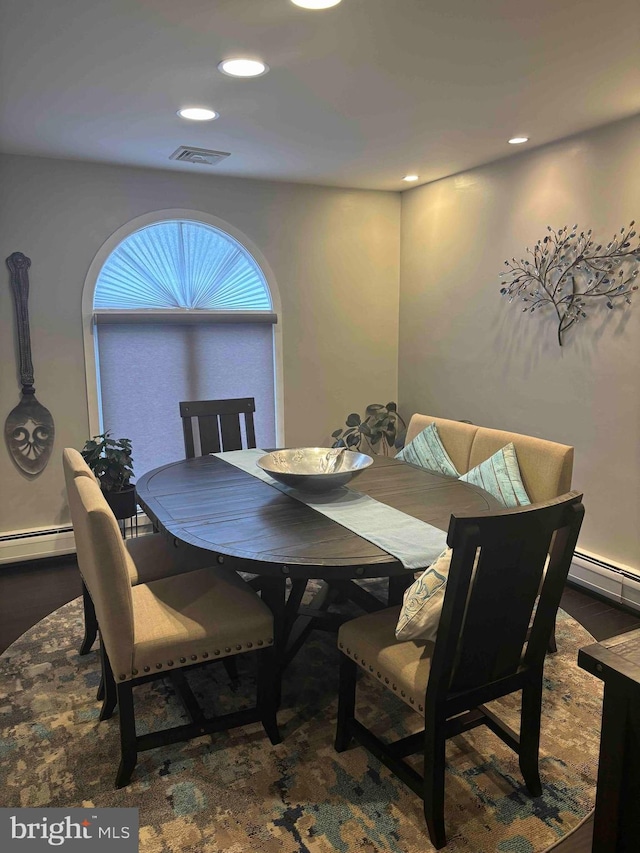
[209, 436]
[189, 444]
[218, 424]
[230, 431]
[493, 636]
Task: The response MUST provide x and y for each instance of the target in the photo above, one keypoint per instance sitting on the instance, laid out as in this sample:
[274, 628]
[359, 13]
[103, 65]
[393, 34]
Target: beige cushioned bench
[545, 466]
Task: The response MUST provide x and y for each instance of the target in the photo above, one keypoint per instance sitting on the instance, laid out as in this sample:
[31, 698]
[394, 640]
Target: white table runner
[415, 543]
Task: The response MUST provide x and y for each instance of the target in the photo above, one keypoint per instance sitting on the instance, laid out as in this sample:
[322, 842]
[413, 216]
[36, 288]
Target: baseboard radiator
[614, 581]
[40, 543]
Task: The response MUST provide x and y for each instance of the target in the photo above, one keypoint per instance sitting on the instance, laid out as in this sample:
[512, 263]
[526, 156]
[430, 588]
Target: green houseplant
[111, 461]
[379, 429]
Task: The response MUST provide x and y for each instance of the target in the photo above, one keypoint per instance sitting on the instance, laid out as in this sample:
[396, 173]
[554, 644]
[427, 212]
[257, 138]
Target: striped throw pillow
[500, 476]
[427, 451]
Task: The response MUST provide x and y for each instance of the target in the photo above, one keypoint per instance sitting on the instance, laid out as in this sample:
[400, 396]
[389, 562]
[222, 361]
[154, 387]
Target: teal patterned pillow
[422, 603]
[500, 476]
[427, 451]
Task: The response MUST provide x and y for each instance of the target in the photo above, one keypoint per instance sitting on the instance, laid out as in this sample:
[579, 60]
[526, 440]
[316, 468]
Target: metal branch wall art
[567, 272]
[29, 429]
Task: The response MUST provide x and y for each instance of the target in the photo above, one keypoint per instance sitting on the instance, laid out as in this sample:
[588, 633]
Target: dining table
[284, 545]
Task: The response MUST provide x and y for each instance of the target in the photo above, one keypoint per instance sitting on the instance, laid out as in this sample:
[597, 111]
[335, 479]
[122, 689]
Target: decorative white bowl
[314, 469]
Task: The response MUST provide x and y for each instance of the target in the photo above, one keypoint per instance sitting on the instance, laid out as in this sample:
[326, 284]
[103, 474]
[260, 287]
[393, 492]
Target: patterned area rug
[236, 793]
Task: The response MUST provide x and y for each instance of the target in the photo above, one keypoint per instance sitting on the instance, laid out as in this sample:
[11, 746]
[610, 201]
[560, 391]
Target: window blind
[181, 264]
[146, 370]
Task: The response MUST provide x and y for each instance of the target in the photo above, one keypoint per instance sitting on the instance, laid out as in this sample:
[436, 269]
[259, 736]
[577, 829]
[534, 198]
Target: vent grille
[203, 156]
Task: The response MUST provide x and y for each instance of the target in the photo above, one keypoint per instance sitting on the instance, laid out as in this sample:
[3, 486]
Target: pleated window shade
[146, 369]
[183, 265]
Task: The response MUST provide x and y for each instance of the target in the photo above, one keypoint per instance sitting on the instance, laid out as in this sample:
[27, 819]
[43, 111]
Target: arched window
[182, 311]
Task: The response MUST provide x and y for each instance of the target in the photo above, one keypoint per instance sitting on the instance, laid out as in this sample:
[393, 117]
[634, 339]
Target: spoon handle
[19, 268]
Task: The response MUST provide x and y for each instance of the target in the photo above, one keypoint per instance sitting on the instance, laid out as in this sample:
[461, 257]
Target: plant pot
[124, 504]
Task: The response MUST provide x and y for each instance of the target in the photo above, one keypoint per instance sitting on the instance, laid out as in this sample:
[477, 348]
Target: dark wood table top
[211, 504]
[617, 657]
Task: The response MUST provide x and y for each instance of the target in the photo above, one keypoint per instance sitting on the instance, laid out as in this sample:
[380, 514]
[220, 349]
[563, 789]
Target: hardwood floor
[30, 591]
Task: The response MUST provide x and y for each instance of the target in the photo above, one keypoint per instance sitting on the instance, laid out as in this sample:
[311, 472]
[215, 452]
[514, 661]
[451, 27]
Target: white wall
[334, 254]
[466, 353]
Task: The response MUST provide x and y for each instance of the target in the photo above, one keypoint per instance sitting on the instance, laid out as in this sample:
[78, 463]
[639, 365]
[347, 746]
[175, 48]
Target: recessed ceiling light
[316, 4]
[243, 67]
[518, 140]
[411, 177]
[198, 114]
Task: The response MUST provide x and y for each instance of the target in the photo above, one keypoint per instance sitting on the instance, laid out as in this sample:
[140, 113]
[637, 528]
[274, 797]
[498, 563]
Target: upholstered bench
[545, 466]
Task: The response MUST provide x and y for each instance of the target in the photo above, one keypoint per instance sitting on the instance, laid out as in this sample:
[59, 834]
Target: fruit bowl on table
[314, 469]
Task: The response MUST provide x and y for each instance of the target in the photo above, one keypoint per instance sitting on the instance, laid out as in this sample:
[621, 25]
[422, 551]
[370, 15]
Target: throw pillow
[422, 603]
[500, 476]
[427, 451]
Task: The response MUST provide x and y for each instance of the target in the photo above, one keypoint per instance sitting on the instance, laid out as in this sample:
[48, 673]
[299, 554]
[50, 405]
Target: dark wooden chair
[483, 650]
[218, 424]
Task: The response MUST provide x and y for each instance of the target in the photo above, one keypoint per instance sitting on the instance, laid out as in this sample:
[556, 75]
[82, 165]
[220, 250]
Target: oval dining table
[253, 527]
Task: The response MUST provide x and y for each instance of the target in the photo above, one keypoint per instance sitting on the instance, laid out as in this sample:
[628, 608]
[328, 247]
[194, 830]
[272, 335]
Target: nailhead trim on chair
[204, 655]
[381, 678]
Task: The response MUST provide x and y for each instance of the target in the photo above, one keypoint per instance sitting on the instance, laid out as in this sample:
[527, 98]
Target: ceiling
[358, 95]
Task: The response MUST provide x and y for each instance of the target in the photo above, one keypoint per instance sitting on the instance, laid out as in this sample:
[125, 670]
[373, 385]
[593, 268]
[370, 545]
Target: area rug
[238, 794]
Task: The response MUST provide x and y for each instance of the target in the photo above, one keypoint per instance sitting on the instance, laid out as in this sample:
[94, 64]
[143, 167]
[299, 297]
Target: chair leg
[346, 702]
[552, 647]
[269, 692]
[128, 741]
[90, 622]
[530, 736]
[110, 696]
[231, 667]
[433, 792]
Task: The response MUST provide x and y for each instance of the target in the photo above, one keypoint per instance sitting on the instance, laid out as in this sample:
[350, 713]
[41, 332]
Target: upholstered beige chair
[483, 648]
[164, 626]
[149, 557]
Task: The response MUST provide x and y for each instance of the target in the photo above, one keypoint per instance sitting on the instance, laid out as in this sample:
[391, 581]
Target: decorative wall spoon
[29, 430]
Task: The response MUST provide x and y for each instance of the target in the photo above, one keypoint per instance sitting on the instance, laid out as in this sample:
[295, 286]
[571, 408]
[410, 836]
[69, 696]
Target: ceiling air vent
[204, 156]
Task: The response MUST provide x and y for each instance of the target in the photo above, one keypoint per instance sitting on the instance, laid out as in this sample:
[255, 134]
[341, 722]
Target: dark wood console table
[616, 661]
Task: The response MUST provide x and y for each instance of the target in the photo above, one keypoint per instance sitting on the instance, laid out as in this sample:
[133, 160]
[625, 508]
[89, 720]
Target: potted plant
[381, 428]
[110, 460]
